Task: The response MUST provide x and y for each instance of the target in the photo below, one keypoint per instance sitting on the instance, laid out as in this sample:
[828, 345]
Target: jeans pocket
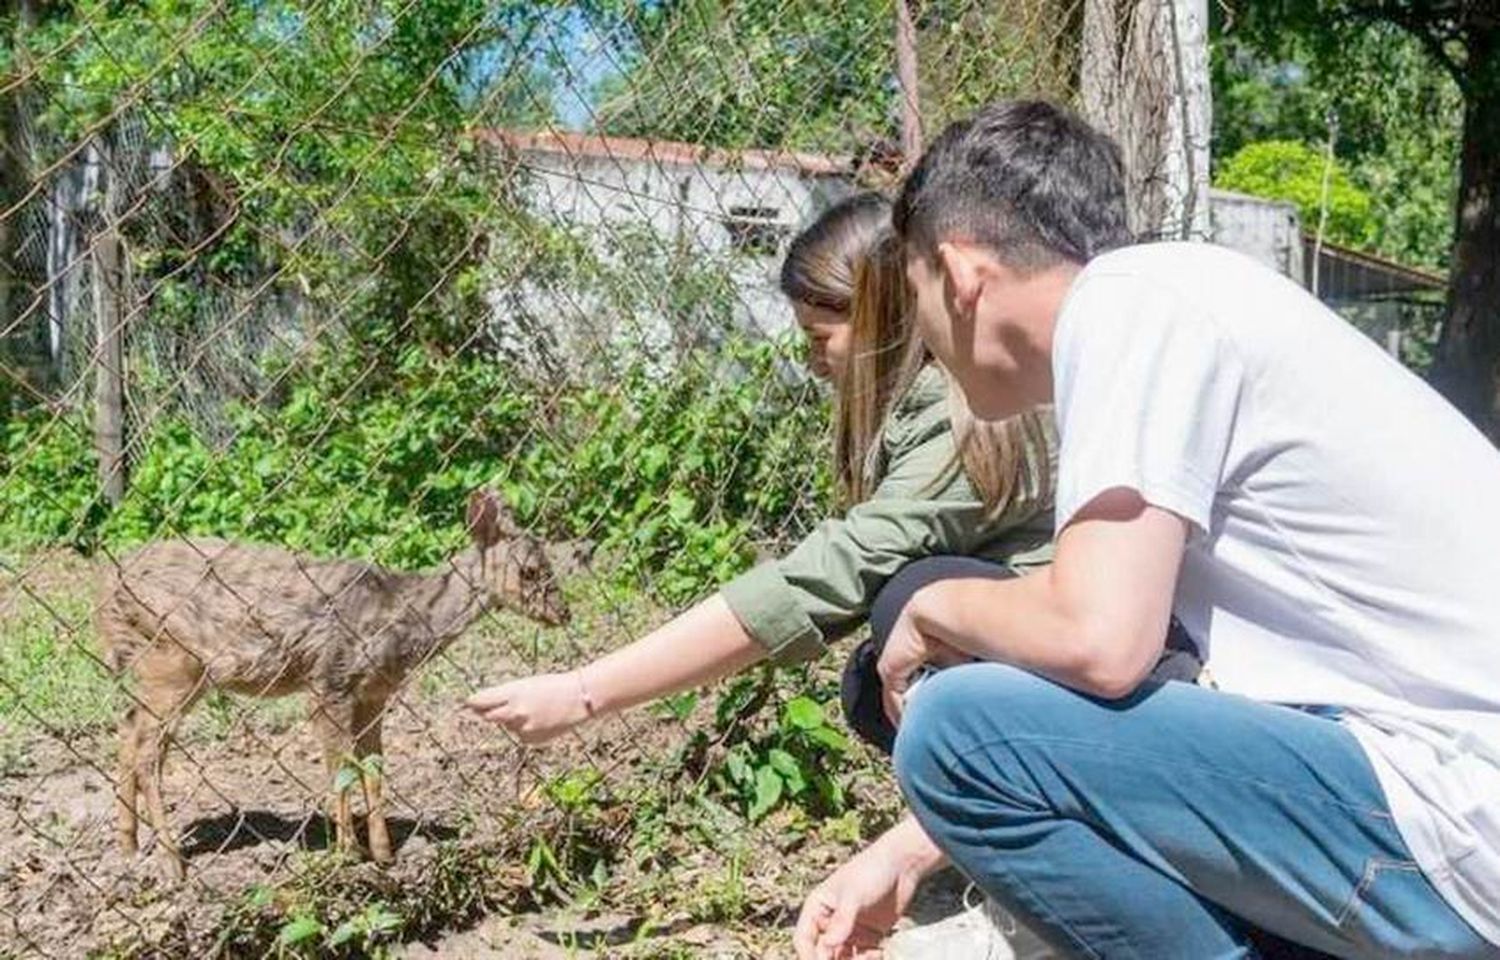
[1367, 893]
[1396, 912]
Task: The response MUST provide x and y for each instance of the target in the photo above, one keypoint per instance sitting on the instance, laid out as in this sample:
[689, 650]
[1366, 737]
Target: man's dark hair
[1028, 179]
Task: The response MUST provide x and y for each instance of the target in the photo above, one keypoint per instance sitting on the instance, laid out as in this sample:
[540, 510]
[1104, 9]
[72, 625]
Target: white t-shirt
[1345, 544]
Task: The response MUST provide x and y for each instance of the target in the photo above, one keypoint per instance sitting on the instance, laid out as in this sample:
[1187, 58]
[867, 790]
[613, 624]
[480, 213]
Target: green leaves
[1282, 71]
[299, 930]
[1286, 170]
[789, 771]
[678, 475]
[797, 760]
[306, 935]
[577, 791]
[804, 714]
[796, 74]
[768, 787]
[374, 924]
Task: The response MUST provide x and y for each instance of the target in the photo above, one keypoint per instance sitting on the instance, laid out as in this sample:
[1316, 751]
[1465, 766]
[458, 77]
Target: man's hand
[849, 915]
[535, 709]
[906, 650]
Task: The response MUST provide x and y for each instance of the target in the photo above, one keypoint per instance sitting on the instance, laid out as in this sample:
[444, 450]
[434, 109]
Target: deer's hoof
[173, 870]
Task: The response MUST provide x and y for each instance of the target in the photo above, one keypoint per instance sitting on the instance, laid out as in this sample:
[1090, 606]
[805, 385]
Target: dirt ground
[243, 809]
[469, 811]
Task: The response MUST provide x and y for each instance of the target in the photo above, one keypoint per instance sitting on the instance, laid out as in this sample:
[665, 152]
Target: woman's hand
[907, 649]
[535, 709]
[851, 913]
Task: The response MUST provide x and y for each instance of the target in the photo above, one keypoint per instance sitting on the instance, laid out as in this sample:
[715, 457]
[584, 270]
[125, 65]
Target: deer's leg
[162, 708]
[334, 721]
[125, 783]
[367, 745]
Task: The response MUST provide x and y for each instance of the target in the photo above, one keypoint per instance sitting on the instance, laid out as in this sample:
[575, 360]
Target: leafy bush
[49, 490]
[794, 762]
[681, 478]
[1288, 170]
[677, 475]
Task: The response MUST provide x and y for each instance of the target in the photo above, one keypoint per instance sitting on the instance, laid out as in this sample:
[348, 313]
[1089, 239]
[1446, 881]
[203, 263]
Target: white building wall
[1268, 230]
[685, 209]
[678, 210]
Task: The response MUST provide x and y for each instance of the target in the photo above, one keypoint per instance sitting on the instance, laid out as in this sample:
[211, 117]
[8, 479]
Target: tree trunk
[1467, 366]
[15, 180]
[109, 314]
[906, 75]
[12, 188]
[1143, 78]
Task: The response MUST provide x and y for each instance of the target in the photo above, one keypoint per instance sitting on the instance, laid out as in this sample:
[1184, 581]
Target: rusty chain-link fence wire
[306, 275]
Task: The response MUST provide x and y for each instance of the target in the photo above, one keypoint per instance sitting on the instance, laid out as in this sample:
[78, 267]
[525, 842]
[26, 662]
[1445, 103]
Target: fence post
[12, 186]
[109, 360]
[906, 74]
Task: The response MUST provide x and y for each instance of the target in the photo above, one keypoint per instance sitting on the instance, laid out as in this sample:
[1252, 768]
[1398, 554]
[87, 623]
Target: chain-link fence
[305, 276]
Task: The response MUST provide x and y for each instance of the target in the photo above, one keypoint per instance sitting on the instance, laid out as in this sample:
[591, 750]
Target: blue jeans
[1167, 824]
[861, 690]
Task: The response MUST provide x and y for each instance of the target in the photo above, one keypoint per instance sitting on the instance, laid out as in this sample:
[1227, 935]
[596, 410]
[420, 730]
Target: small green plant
[316, 915]
[723, 896]
[364, 934]
[677, 706]
[353, 770]
[376, 923]
[798, 760]
[298, 934]
[570, 858]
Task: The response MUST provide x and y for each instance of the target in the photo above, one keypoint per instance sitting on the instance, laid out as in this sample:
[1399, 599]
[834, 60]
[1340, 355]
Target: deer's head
[515, 568]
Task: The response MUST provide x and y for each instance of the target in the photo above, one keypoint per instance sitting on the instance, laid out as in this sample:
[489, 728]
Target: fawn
[187, 617]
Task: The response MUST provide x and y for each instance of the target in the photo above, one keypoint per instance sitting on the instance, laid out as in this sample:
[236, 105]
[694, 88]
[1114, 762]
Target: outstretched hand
[534, 709]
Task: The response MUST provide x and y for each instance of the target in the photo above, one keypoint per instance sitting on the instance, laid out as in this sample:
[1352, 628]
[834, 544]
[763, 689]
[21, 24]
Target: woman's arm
[923, 506]
[694, 648]
[788, 609]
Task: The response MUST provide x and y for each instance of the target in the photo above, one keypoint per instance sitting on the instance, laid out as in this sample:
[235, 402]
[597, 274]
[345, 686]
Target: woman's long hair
[848, 260]
[1003, 460]
[822, 260]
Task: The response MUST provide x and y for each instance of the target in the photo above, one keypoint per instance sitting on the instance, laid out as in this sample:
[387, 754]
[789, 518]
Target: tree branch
[1433, 24]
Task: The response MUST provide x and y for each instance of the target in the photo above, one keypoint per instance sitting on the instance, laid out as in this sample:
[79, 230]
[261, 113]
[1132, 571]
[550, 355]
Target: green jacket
[823, 589]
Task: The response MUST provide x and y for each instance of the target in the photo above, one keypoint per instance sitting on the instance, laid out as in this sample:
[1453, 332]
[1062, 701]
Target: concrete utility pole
[1144, 78]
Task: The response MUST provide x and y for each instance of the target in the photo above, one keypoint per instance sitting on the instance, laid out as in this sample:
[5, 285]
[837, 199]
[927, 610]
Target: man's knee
[961, 710]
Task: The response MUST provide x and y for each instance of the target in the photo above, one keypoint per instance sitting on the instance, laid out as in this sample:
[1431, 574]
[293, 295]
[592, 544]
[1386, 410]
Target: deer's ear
[490, 519]
[484, 517]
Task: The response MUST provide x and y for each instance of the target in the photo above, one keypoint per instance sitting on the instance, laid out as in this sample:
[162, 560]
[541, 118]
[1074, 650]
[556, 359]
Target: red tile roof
[665, 151]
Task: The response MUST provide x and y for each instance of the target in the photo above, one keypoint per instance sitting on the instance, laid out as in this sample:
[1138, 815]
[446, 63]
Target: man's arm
[1096, 620]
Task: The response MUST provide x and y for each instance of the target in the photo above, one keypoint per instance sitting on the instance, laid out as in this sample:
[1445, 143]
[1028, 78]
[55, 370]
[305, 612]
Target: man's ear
[961, 276]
